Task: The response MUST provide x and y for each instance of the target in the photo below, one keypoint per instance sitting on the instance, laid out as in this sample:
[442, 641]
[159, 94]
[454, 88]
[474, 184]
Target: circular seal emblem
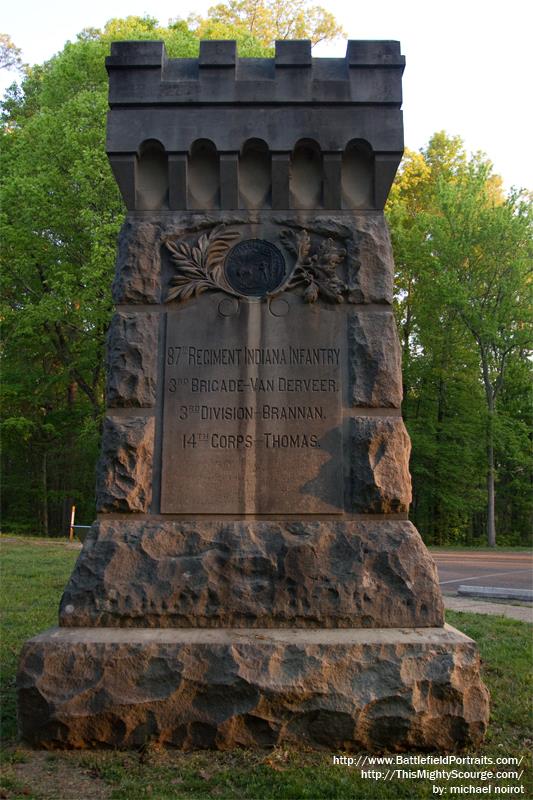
[254, 267]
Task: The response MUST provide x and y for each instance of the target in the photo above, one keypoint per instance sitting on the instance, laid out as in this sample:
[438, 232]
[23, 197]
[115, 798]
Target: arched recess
[358, 175]
[151, 185]
[203, 175]
[255, 174]
[306, 175]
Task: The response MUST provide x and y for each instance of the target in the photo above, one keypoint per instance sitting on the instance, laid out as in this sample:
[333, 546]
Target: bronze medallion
[254, 268]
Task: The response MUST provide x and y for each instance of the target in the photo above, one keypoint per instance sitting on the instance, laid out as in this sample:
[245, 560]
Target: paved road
[506, 570]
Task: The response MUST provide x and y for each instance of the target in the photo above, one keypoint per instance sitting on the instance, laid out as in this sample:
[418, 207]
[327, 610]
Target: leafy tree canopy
[61, 212]
[268, 20]
[463, 253]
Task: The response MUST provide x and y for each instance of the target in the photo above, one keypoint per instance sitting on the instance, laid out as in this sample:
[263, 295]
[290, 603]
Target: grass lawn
[458, 548]
[34, 573]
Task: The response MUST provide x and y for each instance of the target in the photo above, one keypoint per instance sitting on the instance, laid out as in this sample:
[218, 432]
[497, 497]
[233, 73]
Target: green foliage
[463, 259]
[61, 212]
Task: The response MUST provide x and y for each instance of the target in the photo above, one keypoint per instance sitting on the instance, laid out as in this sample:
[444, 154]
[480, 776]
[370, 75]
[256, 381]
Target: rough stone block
[343, 689]
[138, 267]
[373, 264]
[375, 361]
[124, 473]
[253, 574]
[132, 360]
[379, 472]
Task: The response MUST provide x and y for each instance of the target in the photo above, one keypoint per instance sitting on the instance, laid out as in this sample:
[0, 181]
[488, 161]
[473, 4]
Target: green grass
[33, 576]
[482, 548]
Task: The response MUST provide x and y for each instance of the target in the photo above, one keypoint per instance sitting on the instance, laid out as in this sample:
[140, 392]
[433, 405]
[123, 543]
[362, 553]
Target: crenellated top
[175, 123]
[141, 73]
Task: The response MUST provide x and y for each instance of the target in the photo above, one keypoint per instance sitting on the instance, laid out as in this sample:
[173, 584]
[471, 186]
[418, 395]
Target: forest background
[463, 252]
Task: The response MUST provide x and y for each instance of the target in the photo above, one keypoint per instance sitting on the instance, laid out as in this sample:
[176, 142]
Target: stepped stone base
[270, 574]
[395, 688]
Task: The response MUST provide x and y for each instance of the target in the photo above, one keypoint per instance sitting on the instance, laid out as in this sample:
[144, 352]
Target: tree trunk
[439, 523]
[490, 394]
[491, 516]
[44, 476]
[406, 330]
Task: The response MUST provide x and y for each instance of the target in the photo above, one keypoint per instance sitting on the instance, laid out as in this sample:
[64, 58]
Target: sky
[468, 61]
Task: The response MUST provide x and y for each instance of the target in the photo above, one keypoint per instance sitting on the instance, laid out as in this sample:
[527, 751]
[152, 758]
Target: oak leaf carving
[315, 271]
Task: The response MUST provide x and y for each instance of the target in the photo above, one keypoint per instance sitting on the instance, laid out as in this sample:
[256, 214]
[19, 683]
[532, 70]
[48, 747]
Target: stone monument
[252, 576]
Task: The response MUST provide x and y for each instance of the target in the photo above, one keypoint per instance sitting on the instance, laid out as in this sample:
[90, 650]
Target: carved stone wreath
[200, 267]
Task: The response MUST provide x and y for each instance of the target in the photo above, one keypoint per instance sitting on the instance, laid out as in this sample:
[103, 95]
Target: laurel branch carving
[200, 267]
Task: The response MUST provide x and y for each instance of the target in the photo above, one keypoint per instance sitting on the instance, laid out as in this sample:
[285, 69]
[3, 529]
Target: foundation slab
[220, 688]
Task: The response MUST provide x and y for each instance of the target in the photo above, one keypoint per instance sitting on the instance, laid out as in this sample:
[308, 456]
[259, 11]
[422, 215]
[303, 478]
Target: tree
[484, 250]
[462, 250]
[61, 212]
[267, 21]
[10, 55]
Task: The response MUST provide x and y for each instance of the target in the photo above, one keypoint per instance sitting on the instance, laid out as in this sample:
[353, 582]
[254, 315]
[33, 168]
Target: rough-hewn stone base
[189, 688]
[358, 574]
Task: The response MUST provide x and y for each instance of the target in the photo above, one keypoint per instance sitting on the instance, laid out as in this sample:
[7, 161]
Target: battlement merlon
[229, 100]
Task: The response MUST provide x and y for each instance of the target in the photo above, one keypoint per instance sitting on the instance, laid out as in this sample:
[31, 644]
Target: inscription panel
[252, 410]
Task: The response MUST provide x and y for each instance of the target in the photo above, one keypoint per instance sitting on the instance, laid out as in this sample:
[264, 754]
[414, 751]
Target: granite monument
[252, 577]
